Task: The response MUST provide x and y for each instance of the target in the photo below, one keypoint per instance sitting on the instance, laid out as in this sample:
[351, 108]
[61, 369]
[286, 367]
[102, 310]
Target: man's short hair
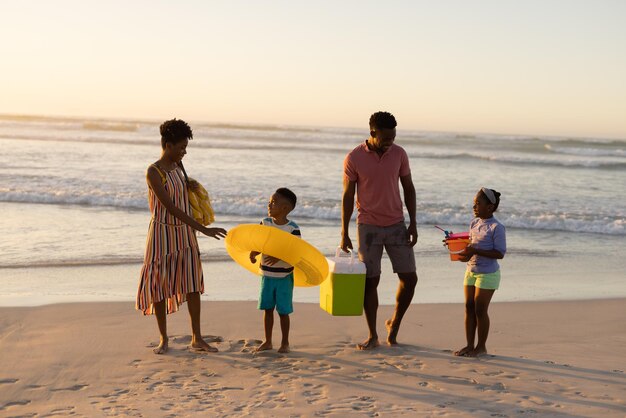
[382, 120]
[174, 131]
[289, 195]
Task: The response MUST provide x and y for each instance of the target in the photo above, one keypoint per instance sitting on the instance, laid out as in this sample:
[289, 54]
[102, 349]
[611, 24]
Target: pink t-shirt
[377, 183]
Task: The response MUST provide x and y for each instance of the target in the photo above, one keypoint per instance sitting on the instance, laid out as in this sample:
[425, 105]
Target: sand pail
[457, 246]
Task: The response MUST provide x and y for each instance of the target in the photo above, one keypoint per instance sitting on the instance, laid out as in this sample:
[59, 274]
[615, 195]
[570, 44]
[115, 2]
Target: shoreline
[559, 359]
[440, 281]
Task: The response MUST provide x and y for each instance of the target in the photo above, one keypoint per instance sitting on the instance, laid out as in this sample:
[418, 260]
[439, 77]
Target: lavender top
[486, 234]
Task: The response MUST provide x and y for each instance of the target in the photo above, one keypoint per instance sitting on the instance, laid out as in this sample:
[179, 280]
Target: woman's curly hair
[174, 131]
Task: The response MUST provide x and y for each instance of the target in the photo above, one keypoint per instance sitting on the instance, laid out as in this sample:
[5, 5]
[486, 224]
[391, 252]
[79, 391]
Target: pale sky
[555, 67]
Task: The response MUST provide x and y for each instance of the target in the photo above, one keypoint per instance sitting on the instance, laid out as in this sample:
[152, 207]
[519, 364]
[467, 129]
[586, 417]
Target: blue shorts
[277, 293]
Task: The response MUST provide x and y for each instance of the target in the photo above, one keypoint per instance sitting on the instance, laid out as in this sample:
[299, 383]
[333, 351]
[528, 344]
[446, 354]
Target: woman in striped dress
[172, 271]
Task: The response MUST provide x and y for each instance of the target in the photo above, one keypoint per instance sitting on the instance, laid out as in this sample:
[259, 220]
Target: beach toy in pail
[456, 243]
[342, 294]
[310, 266]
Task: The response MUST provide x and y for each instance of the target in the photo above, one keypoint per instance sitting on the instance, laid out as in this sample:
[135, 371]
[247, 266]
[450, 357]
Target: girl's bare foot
[464, 352]
[201, 345]
[284, 348]
[368, 344]
[267, 345]
[478, 352]
[392, 332]
[162, 347]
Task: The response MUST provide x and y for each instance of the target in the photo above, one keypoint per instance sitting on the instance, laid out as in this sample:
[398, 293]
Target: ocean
[74, 205]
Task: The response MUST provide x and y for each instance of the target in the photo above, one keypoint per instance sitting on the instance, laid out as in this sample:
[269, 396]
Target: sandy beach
[94, 359]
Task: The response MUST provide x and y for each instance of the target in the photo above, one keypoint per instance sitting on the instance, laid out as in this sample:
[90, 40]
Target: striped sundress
[171, 266]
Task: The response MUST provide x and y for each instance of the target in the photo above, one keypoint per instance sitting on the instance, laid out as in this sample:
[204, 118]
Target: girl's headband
[489, 194]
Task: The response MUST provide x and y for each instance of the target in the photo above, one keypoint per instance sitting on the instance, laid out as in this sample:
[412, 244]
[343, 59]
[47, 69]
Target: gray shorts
[395, 239]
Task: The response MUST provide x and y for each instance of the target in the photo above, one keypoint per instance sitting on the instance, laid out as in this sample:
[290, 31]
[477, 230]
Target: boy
[277, 276]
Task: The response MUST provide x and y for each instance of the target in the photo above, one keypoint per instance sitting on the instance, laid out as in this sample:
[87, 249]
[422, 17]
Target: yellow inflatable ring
[310, 266]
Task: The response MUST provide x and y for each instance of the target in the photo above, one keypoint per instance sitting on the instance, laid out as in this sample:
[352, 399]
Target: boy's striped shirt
[280, 269]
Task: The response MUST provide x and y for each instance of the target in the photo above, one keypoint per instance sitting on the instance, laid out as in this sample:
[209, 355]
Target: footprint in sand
[114, 395]
[186, 339]
[153, 386]
[397, 365]
[246, 346]
[14, 403]
[493, 373]
[364, 374]
[314, 394]
[460, 380]
[497, 387]
[8, 381]
[339, 347]
[266, 354]
[68, 410]
[537, 401]
[70, 388]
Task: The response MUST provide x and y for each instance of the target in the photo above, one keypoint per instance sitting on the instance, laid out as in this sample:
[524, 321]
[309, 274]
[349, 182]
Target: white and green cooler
[343, 292]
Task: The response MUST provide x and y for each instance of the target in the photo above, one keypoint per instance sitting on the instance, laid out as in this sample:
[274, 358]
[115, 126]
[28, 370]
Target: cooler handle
[339, 251]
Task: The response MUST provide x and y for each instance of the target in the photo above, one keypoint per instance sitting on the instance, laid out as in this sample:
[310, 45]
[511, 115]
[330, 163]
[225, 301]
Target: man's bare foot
[284, 348]
[267, 345]
[162, 347]
[478, 352]
[368, 344]
[201, 345]
[392, 332]
[463, 352]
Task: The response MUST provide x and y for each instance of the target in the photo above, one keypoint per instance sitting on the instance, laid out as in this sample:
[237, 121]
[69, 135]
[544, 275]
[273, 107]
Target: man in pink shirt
[373, 170]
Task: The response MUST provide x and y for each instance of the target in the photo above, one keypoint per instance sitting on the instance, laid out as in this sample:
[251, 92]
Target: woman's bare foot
[201, 345]
[464, 352]
[267, 345]
[368, 344]
[284, 348]
[478, 352]
[392, 332]
[162, 347]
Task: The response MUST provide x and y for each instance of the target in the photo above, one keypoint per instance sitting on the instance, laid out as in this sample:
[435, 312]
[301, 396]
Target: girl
[172, 271]
[482, 277]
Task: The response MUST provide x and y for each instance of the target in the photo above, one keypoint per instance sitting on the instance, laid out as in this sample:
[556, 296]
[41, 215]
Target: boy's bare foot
[201, 345]
[478, 352]
[284, 348]
[392, 332]
[265, 346]
[368, 344]
[162, 347]
[464, 352]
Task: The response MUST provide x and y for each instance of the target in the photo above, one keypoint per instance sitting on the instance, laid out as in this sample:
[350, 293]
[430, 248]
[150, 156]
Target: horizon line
[253, 125]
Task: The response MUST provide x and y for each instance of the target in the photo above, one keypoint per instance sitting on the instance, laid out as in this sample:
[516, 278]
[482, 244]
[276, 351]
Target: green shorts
[277, 293]
[482, 280]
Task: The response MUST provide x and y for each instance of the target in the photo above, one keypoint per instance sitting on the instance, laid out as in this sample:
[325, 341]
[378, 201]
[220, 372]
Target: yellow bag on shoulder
[200, 204]
[199, 200]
